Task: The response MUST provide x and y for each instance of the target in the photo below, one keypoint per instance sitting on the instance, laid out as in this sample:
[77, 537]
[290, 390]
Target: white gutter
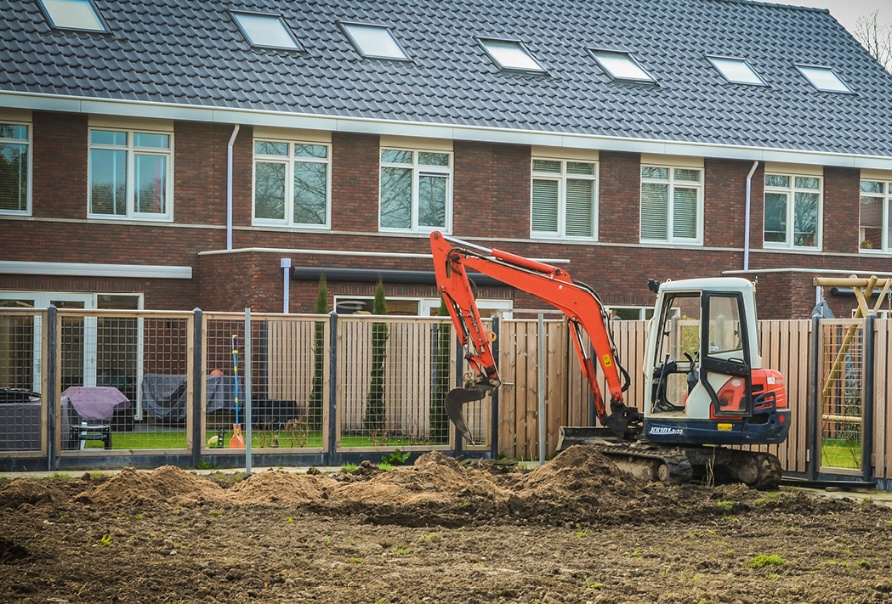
[746, 240]
[84, 269]
[229, 187]
[334, 123]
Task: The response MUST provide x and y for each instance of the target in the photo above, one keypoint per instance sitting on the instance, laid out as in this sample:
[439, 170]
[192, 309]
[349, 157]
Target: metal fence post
[494, 423]
[814, 402]
[459, 370]
[248, 390]
[51, 376]
[867, 393]
[333, 388]
[198, 399]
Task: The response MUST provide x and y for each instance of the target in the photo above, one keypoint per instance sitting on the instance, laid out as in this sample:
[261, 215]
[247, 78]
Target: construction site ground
[573, 530]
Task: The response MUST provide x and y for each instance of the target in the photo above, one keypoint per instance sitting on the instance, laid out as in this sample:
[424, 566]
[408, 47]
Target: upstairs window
[876, 216]
[416, 190]
[671, 205]
[73, 14]
[621, 66]
[823, 78]
[130, 174]
[268, 31]
[292, 183]
[15, 169]
[511, 55]
[736, 71]
[564, 199]
[792, 211]
[374, 41]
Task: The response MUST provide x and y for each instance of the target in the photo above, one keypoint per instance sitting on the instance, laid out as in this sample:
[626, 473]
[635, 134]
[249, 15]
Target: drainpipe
[286, 290]
[229, 187]
[749, 202]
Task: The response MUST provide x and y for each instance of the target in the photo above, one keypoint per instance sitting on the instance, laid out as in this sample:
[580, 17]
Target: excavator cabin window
[678, 351]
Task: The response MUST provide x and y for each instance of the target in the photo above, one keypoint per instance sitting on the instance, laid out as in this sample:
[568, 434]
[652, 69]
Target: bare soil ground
[575, 530]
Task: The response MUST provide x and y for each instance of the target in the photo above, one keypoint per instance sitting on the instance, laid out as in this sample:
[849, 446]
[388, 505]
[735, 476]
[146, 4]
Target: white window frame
[418, 170]
[289, 161]
[791, 191]
[670, 210]
[886, 215]
[561, 180]
[27, 142]
[130, 175]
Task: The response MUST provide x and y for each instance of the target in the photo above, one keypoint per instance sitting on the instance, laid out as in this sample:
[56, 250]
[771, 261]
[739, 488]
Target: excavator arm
[579, 302]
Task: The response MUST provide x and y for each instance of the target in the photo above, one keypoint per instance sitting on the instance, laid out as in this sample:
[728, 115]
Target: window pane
[269, 190]
[13, 177]
[724, 325]
[871, 223]
[870, 186]
[310, 182]
[154, 141]
[511, 55]
[575, 167]
[15, 131]
[432, 200]
[544, 217]
[433, 159]
[654, 211]
[394, 156]
[320, 151]
[151, 184]
[775, 180]
[396, 198]
[270, 148]
[266, 30]
[73, 14]
[736, 70]
[108, 184]
[621, 66]
[655, 173]
[580, 209]
[824, 79]
[375, 41]
[107, 137]
[775, 217]
[546, 165]
[684, 216]
[687, 175]
[805, 221]
[808, 183]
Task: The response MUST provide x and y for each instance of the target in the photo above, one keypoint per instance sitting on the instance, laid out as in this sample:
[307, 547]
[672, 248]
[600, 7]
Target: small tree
[316, 395]
[439, 422]
[876, 37]
[375, 409]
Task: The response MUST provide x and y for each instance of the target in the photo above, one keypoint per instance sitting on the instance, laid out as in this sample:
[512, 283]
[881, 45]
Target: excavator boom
[579, 302]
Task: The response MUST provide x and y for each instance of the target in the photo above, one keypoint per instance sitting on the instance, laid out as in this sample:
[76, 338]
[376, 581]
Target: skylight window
[73, 14]
[374, 41]
[511, 55]
[736, 71]
[621, 66]
[268, 31]
[823, 78]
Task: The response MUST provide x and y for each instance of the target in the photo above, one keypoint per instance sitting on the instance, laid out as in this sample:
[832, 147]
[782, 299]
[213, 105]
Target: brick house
[170, 155]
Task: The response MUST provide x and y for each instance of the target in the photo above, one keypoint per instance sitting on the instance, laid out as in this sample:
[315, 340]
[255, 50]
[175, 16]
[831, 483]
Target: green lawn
[841, 454]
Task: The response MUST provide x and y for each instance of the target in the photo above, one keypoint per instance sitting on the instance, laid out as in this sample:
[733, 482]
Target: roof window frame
[298, 46]
[712, 61]
[95, 13]
[650, 80]
[800, 66]
[345, 27]
[482, 40]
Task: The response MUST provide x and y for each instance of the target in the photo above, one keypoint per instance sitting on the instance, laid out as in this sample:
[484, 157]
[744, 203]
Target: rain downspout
[746, 240]
[229, 187]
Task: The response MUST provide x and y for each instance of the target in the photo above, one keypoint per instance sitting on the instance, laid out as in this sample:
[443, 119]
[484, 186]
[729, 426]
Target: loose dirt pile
[573, 530]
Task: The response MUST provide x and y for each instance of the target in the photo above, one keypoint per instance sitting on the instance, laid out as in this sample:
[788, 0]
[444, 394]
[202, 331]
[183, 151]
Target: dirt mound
[434, 477]
[580, 469]
[277, 486]
[25, 491]
[166, 485]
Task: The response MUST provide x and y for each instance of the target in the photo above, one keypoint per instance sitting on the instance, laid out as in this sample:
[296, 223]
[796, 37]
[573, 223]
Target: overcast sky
[847, 12]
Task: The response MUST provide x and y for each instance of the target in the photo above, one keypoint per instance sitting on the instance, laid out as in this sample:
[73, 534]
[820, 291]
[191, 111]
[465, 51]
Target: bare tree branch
[876, 38]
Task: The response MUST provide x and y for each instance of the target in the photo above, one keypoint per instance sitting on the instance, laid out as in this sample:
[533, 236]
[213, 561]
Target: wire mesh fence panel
[224, 370]
[123, 380]
[392, 375]
[842, 350]
[22, 355]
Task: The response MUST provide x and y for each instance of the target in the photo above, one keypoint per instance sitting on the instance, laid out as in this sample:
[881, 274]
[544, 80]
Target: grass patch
[841, 453]
[763, 560]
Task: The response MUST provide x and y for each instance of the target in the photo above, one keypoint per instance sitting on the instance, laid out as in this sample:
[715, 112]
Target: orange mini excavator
[705, 384]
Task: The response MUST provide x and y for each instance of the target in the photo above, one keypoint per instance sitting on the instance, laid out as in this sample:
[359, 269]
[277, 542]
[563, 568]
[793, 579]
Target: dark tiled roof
[192, 53]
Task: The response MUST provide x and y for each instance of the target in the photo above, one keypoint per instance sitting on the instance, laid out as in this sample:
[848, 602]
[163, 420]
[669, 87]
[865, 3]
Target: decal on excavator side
[665, 430]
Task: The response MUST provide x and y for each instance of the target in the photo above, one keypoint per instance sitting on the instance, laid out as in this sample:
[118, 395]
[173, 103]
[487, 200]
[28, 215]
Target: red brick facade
[491, 204]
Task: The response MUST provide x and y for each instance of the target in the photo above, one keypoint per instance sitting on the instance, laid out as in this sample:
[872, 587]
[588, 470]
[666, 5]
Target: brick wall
[619, 214]
[354, 182]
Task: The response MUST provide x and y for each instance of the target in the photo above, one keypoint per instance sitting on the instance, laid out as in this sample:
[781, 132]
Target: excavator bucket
[454, 401]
